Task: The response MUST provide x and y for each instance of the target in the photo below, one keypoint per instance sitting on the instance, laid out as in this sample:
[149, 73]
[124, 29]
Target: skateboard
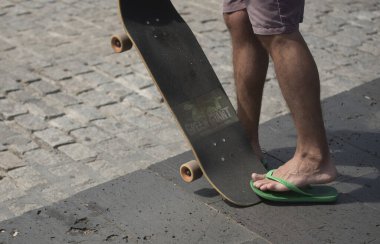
[193, 93]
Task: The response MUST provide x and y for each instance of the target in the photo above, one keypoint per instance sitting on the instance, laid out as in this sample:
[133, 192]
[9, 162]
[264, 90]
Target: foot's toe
[259, 183]
[275, 186]
[256, 177]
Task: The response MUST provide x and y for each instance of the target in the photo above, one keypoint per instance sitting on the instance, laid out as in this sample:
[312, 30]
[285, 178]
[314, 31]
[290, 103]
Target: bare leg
[299, 81]
[250, 62]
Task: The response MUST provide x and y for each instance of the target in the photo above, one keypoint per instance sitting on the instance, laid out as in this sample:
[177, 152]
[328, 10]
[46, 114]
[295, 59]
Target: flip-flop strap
[289, 185]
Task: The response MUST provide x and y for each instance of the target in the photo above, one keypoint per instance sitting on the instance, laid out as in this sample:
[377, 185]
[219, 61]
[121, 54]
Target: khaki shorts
[269, 17]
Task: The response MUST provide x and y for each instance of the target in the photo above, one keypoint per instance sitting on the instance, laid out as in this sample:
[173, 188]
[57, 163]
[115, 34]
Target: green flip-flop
[315, 193]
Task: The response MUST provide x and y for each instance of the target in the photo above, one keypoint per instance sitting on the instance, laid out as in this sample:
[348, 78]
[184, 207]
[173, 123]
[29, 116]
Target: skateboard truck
[121, 43]
[190, 171]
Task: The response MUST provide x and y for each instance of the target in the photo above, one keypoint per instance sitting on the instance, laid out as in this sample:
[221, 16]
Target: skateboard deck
[191, 89]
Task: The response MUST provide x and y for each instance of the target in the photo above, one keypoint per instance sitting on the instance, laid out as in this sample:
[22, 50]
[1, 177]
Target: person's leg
[250, 63]
[299, 82]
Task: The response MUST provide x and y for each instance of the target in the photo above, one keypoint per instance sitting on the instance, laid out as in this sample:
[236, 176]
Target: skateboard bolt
[147, 22]
[158, 20]
[214, 144]
[223, 140]
[222, 158]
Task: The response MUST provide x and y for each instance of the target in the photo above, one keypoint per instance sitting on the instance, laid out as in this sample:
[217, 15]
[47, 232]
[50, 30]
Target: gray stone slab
[9, 109]
[9, 161]
[78, 152]
[53, 137]
[347, 221]
[138, 208]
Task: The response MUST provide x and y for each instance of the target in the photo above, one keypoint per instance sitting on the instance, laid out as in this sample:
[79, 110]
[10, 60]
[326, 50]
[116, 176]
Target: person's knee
[236, 19]
[273, 42]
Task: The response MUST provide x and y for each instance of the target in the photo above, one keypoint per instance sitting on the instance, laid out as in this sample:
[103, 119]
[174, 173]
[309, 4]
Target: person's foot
[300, 171]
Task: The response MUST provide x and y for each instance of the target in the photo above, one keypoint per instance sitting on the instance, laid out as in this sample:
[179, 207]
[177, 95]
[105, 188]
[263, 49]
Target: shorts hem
[276, 30]
[231, 10]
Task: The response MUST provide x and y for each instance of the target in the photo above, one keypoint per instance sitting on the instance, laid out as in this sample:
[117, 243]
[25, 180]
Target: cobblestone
[26, 178]
[78, 152]
[9, 161]
[31, 122]
[96, 99]
[61, 100]
[41, 108]
[44, 88]
[65, 123]
[60, 83]
[22, 96]
[21, 149]
[90, 135]
[84, 113]
[53, 137]
[9, 109]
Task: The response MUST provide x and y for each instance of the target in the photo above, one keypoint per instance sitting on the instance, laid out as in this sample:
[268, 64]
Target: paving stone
[7, 133]
[9, 190]
[53, 137]
[27, 177]
[43, 88]
[84, 113]
[114, 70]
[113, 126]
[8, 85]
[134, 81]
[65, 123]
[94, 79]
[41, 108]
[146, 121]
[141, 102]
[22, 96]
[9, 109]
[75, 87]
[346, 37]
[96, 99]
[119, 109]
[90, 135]
[75, 66]
[31, 122]
[115, 90]
[56, 73]
[61, 100]
[105, 169]
[9, 161]
[3, 148]
[16, 139]
[45, 158]
[78, 152]
[21, 149]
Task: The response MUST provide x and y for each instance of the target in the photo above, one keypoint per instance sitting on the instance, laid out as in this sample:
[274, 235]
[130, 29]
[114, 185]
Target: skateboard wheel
[190, 171]
[121, 43]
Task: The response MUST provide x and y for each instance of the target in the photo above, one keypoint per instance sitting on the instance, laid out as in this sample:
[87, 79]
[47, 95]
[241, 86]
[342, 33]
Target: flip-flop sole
[318, 194]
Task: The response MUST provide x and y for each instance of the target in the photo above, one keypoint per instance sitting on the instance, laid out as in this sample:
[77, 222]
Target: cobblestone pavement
[74, 115]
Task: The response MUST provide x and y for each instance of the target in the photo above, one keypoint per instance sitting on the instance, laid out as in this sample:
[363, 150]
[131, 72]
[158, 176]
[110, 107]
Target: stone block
[43, 88]
[96, 99]
[53, 137]
[78, 152]
[9, 161]
[65, 123]
[83, 113]
[90, 135]
[31, 122]
[41, 108]
[9, 109]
